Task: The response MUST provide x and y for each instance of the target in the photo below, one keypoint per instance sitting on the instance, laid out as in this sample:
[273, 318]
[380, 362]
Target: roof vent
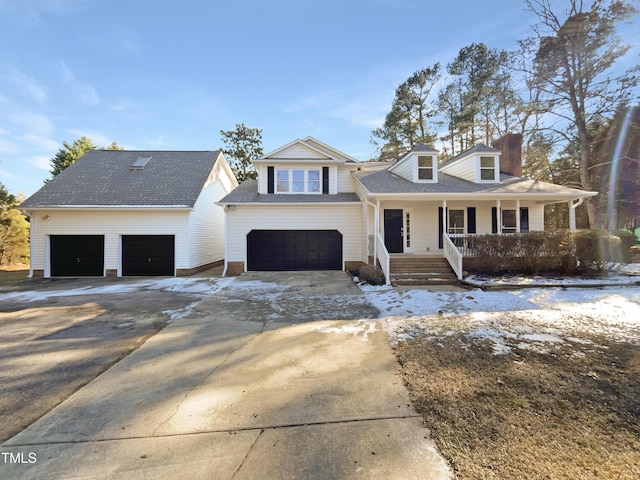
[140, 163]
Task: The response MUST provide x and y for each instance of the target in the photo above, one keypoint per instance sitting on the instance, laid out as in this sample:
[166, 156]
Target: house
[314, 207]
[121, 213]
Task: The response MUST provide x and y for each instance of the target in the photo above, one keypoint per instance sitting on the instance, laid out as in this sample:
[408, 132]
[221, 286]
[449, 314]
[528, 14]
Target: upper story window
[298, 181]
[487, 168]
[425, 167]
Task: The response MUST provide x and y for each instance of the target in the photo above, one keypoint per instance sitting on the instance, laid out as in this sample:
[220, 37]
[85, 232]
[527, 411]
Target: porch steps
[417, 270]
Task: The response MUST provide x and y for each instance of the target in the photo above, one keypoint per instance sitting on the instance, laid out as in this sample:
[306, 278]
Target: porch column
[572, 216]
[517, 216]
[376, 227]
[499, 216]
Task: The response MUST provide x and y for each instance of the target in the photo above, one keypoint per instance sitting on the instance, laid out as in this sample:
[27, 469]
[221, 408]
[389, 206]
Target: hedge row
[581, 251]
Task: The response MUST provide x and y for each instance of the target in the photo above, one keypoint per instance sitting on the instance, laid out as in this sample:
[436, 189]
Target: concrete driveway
[276, 376]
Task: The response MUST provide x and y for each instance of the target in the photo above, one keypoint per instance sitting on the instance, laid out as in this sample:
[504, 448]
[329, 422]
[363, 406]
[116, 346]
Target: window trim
[464, 220]
[433, 168]
[290, 181]
[495, 169]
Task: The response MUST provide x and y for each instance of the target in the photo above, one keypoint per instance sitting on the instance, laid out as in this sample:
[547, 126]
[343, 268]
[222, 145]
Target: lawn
[538, 383]
[570, 412]
[9, 276]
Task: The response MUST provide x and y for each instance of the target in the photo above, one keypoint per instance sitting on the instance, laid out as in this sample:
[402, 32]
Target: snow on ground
[533, 318]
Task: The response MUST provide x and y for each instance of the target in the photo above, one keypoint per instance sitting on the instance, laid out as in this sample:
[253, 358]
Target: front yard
[529, 384]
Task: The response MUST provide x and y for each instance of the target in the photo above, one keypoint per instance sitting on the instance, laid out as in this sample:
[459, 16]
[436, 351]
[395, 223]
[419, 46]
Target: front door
[393, 230]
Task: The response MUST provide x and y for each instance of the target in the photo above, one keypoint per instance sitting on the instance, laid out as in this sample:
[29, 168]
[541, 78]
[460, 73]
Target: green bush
[627, 240]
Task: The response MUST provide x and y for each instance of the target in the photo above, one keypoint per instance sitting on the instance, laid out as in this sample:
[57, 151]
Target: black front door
[393, 230]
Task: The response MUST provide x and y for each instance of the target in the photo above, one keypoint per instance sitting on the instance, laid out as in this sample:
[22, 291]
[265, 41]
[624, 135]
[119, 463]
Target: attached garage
[76, 255]
[148, 255]
[283, 250]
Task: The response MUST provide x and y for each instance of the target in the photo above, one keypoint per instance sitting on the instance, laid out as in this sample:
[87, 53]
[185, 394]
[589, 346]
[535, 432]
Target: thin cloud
[43, 163]
[83, 92]
[33, 123]
[38, 141]
[98, 139]
[28, 85]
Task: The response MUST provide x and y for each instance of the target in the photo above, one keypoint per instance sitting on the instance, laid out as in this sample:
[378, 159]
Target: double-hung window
[487, 168]
[425, 167]
[508, 221]
[456, 221]
[298, 181]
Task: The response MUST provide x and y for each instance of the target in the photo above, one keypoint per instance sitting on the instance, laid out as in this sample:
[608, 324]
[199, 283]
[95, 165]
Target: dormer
[479, 164]
[419, 165]
[305, 166]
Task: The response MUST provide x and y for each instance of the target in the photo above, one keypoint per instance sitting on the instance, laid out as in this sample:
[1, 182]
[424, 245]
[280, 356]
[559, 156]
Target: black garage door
[294, 250]
[76, 255]
[147, 255]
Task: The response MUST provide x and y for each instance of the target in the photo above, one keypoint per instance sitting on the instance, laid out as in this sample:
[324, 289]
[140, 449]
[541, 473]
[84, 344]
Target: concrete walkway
[223, 396]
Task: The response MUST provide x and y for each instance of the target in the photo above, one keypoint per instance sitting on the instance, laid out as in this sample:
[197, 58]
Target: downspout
[226, 241]
[572, 214]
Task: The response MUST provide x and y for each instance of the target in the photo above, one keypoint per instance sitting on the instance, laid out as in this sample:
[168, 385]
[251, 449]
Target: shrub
[627, 240]
[372, 274]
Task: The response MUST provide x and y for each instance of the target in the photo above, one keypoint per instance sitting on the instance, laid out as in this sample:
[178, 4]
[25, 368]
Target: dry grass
[9, 275]
[570, 413]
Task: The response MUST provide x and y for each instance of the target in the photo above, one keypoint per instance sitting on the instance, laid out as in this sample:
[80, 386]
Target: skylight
[140, 163]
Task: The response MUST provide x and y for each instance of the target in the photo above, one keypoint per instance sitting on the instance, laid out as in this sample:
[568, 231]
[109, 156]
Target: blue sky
[170, 75]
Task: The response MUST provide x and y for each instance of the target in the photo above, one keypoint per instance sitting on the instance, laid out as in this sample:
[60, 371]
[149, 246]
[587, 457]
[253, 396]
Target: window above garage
[299, 180]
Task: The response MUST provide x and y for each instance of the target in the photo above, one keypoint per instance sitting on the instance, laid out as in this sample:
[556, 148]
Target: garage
[282, 250]
[77, 255]
[148, 255]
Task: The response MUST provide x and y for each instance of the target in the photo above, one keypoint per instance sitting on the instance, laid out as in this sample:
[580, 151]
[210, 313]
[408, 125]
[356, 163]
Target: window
[425, 167]
[508, 221]
[456, 221]
[407, 229]
[487, 168]
[313, 181]
[298, 181]
[282, 181]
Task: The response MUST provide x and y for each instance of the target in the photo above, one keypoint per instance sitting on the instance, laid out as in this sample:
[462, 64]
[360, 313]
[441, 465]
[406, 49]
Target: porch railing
[452, 253]
[385, 260]
[463, 242]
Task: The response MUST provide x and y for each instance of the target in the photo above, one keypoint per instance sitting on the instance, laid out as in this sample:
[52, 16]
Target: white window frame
[408, 229]
[464, 220]
[509, 229]
[433, 168]
[290, 180]
[496, 169]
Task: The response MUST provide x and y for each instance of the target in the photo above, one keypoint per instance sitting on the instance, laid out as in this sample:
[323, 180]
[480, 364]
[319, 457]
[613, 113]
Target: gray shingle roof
[479, 148]
[388, 182]
[421, 147]
[247, 192]
[103, 178]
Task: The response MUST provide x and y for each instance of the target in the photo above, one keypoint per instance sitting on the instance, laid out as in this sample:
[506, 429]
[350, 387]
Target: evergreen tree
[72, 152]
[14, 229]
[242, 145]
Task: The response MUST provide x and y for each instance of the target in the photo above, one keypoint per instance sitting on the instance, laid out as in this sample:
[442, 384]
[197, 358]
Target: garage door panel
[294, 250]
[148, 255]
[77, 255]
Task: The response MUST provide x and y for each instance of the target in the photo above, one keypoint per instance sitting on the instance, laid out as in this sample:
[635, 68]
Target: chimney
[510, 146]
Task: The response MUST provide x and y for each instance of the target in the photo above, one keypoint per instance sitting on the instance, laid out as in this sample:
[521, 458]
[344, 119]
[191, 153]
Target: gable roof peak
[423, 147]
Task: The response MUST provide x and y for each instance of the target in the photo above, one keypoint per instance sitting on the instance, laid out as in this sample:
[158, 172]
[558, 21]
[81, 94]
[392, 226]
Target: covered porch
[414, 240]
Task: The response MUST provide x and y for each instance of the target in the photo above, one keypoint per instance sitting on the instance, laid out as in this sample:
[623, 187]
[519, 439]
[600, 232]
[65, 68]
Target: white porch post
[376, 227]
[518, 216]
[499, 215]
[572, 216]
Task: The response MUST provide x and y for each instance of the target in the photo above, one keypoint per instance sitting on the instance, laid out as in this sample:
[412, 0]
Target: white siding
[406, 168]
[112, 224]
[346, 219]
[346, 183]
[206, 227]
[263, 179]
[465, 168]
[298, 151]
